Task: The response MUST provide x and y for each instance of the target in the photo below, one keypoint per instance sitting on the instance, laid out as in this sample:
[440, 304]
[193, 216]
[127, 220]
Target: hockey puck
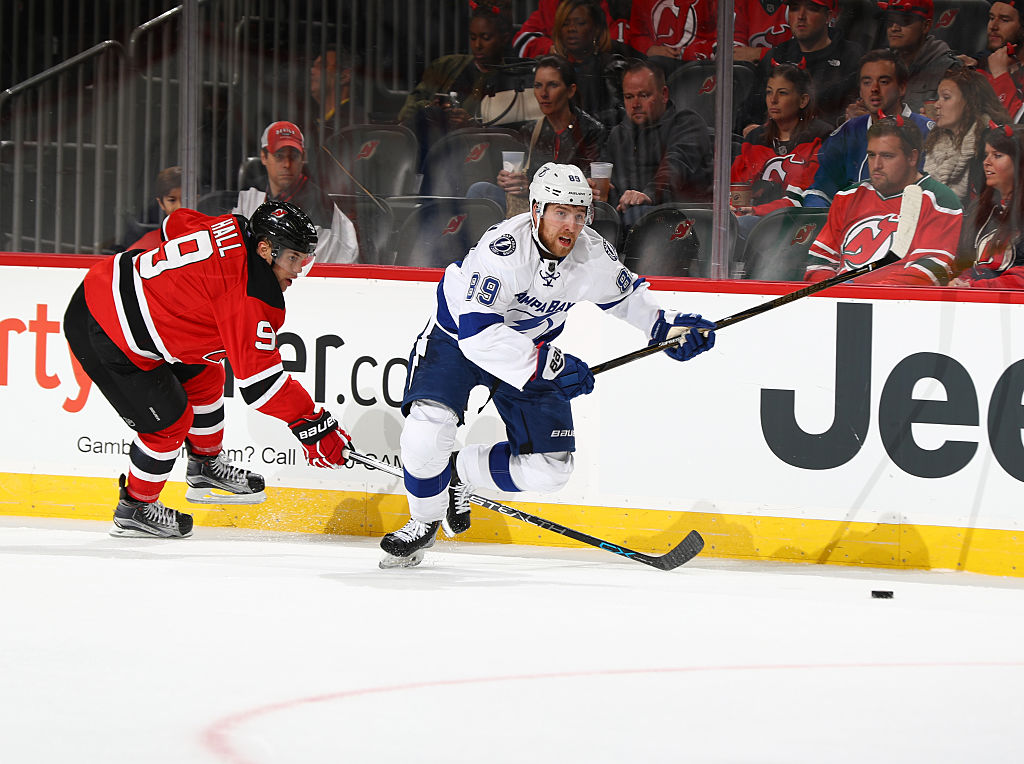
[881, 594]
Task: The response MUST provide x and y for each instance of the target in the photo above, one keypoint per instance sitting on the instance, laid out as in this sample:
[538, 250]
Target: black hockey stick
[685, 551]
[910, 211]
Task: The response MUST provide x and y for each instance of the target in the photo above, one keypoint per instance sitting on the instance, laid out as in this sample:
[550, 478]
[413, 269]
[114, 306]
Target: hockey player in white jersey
[497, 313]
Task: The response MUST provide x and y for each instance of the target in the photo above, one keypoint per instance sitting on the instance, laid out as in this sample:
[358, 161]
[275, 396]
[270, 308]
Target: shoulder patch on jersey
[504, 245]
[610, 251]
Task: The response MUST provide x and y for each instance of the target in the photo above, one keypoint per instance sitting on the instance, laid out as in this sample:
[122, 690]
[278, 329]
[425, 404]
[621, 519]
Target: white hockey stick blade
[910, 214]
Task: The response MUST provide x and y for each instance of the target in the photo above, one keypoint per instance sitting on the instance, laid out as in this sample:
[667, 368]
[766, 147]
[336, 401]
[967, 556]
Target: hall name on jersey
[224, 231]
[554, 306]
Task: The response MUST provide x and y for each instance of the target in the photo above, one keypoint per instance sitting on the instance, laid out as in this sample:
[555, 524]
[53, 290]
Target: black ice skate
[457, 519]
[214, 480]
[141, 519]
[405, 547]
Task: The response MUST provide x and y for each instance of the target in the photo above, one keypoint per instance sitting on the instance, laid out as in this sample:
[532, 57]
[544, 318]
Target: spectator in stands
[992, 241]
[658, 153]
[282, 152]
[581, 36]
[431, 110]
[842, 158]
[779, 158]
[168, 198]
[1003, 27]
[965, 106]
[565, 134]
[330, 85]
[1005, 63]
[670, 36]
[831, 61]
[760, 26]
[907, 26]
[535, 37]
[863, 219]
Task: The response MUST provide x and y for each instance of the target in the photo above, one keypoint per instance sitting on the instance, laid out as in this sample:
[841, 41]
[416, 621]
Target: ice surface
[237, 646]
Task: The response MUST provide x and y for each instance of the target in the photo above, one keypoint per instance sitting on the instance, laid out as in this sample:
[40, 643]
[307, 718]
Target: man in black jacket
[659, 154]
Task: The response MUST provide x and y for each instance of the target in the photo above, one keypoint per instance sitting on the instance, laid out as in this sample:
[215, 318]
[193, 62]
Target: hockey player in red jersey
[151, 328]
[863, 218]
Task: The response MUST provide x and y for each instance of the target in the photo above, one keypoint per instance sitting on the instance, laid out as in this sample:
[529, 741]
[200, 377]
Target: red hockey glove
[323, 440]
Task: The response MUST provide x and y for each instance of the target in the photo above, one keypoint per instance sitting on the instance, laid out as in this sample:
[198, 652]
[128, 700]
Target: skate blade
[389, 561]
[134, 533]
[208, 495]
[449, 532]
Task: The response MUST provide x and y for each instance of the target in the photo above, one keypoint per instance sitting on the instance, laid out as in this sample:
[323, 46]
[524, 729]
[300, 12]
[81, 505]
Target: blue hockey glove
[687, 327]
[563, 374]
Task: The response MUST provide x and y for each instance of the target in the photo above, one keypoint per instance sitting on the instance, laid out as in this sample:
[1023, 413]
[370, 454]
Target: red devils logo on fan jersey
[779, 168]
[708, 86]
[367, 149]
[681, 230]
[476, 153]
[770, 37]
[804, 234]
[674, 22]
[946, 19]
[869, 239]
[453, 225]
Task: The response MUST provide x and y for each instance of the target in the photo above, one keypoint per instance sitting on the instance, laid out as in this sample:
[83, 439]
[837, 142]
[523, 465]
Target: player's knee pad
[428, 438]
[545, 473]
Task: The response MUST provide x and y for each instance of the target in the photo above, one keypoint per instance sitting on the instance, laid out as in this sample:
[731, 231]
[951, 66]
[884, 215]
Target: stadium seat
[374, 222]
[607, 222]
[463, 157]
[673, 240]
[381, 159]
[217, 202]
[441, 231]
[963, 24]
[693, 86]
[252, 174]
[777, 246]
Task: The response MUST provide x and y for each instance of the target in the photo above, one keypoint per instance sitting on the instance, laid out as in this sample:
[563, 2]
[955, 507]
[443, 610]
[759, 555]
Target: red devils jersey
[860, 228]
[793, 171]
[762, 23]
[200, 297]
[686, 26]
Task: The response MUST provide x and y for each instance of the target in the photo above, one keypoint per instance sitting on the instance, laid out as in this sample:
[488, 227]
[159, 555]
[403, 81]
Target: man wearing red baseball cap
[282, 151]
[907, 27]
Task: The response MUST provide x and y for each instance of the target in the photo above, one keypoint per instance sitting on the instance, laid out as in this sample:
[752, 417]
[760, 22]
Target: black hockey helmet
[285, 226]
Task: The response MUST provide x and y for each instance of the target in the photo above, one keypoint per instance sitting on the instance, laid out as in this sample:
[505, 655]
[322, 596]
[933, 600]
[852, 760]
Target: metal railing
[82, 141]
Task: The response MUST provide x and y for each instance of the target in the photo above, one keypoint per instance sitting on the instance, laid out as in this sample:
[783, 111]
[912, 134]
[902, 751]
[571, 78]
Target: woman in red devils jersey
[781, 154]
[151, 329]
[992, 240]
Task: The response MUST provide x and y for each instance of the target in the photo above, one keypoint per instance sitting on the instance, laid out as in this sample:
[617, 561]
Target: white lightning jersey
[503, 299]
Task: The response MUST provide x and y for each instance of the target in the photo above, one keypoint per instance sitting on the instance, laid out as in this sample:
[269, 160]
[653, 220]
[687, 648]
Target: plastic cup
[512, 161]
[740, 194]
[601, 174]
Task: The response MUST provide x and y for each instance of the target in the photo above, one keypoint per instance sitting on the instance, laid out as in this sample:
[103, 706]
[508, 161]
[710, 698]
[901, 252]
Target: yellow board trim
[354, 513]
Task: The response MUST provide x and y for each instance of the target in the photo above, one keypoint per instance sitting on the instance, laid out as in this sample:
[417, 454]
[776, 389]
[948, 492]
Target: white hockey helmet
[560, 184]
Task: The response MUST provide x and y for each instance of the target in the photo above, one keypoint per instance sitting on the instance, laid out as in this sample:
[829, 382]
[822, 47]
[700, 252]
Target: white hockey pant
[428, 440]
